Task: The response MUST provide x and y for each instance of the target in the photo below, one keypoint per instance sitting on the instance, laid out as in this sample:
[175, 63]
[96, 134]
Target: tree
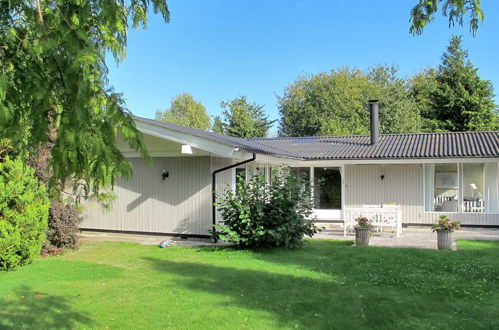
[336, 102]
[454, 97]
[242, 119]
[54, 89]
[185, 111]
[421, 86]
[424, 12]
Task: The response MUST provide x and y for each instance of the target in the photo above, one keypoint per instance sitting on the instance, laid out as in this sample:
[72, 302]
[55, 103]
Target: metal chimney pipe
[373, 109]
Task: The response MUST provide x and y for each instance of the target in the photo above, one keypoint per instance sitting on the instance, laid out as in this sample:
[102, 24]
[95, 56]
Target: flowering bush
[363, 223]
[444, 223]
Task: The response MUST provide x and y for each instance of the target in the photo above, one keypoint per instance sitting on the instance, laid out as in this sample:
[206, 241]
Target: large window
[327, 185]
[468, 187]
[327, 188]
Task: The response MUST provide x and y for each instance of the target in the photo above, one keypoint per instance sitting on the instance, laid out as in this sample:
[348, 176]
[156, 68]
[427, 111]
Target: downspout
[214, 185]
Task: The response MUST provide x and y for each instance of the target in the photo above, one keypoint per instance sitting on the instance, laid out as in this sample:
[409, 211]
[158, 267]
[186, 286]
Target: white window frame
[460, 204]
[322, 214]
[329, 214]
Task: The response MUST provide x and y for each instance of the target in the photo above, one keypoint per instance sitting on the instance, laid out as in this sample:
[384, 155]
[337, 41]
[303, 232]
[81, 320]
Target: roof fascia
[184, 138]
[323, 162]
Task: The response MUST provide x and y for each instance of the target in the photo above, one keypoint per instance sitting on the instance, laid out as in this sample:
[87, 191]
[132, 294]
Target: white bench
[386, 215]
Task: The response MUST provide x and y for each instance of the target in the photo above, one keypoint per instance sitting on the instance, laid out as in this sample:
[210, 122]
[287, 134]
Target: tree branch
[39, 7]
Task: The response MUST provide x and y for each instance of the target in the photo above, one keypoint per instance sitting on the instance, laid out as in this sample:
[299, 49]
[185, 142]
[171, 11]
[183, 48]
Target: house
[427, 174]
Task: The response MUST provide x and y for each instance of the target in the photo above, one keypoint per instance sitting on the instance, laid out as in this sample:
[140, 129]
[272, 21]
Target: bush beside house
[23, 214]
[260, 214]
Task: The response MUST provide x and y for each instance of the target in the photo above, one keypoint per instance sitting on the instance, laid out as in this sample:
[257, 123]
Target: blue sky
[219, 49]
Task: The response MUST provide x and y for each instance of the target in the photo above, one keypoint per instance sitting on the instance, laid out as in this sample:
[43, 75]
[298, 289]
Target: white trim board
[183, 138]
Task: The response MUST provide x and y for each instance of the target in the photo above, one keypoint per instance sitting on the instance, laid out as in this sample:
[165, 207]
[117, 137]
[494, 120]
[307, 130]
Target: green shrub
[23, 214]
[63, 228]
[267, 215]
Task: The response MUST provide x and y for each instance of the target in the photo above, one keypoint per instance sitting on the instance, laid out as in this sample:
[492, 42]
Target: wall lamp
[164, 174]
[382, 177]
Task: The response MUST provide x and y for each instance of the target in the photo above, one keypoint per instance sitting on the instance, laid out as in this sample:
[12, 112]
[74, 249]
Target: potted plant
[444, 228]
[363, 230]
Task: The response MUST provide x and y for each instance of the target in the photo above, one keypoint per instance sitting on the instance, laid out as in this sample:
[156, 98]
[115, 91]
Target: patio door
[328, 192]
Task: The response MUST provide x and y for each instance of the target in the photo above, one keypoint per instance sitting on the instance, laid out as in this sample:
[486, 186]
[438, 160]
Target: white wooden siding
[225, 179]
[182, 202]
[147, 203]
[402, 184]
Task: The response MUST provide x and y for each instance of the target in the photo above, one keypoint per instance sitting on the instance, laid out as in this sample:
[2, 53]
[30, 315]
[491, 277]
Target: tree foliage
[23, 213]
[185, 111]
[454, 97]
[336, 102]
[54, 88]
[258, 214]
[456, 10]
[242, 119]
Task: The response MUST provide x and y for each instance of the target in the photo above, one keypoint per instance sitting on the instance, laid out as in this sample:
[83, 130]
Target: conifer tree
[455, 10]
[461, 100]
[54, 89]
[242, 119]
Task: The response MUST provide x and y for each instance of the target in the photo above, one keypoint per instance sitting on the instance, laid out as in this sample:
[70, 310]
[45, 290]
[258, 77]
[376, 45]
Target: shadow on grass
[37, 310]
[410, 268]
[288, 299]
[336, 285]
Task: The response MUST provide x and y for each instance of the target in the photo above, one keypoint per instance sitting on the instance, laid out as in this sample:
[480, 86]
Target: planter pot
[362, 236]
[444, 239]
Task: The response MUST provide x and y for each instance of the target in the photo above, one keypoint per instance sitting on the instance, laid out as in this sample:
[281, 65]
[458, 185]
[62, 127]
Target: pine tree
[461, 100]
[242, 119]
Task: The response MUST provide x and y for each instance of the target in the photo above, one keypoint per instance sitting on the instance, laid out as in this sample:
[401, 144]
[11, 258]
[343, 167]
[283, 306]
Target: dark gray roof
[391, 146]
[244, 144]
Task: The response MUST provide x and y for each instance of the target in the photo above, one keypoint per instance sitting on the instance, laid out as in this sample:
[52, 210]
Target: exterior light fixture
[382, 177]
[164, 174]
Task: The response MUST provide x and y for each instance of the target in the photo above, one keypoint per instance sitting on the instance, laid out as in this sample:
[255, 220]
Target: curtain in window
[491, 188]
[429, 183]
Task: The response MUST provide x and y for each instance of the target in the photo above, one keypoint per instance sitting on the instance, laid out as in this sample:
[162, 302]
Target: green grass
[325, 285]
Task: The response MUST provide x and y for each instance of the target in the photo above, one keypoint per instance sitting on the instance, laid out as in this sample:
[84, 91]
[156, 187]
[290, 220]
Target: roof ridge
[367, 135]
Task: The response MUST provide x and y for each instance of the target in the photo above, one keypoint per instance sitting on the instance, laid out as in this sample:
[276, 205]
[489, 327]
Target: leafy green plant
[54, 86]
[267, 214]
[444, 223]
[23, 214]
[364, 223]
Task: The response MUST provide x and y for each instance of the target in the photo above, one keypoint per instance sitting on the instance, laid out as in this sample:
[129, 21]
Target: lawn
[326, 284]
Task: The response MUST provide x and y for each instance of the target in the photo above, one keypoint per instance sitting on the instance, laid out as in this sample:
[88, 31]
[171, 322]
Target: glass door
[328, 190]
